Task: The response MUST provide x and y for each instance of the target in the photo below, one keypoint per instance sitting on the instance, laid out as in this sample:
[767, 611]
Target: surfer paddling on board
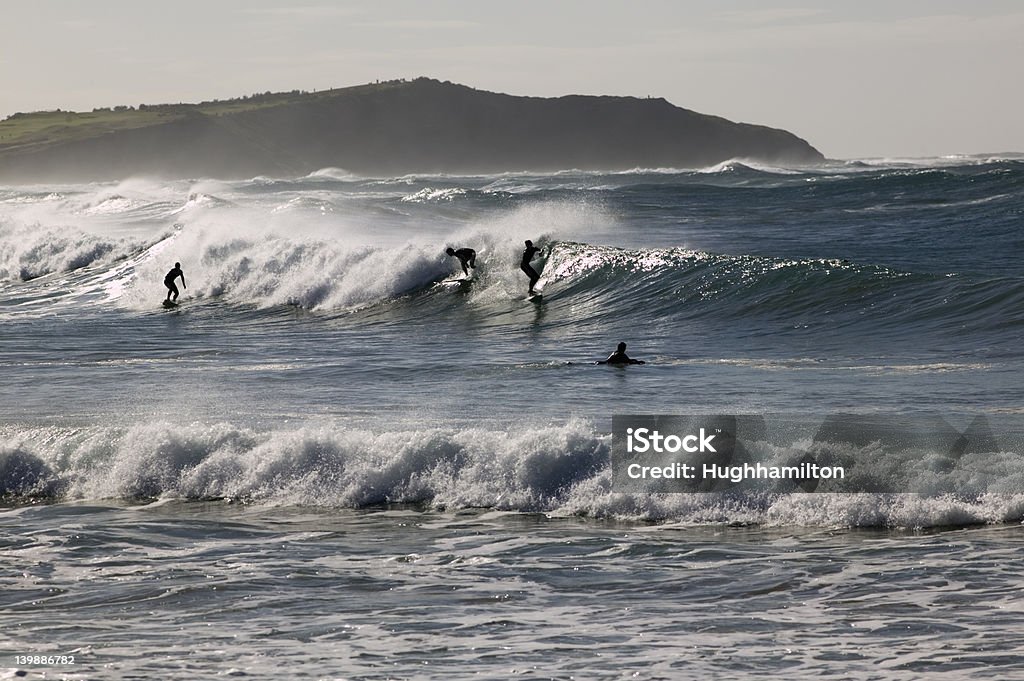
[620, 357]
[466, 256]
[528, 255]
[172, 290]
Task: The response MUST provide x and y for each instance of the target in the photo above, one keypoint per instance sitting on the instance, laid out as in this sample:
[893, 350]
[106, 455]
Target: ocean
[332, 462]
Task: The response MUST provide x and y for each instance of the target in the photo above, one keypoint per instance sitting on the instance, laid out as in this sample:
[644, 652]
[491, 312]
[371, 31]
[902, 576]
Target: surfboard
[535, 297]
[169, 304]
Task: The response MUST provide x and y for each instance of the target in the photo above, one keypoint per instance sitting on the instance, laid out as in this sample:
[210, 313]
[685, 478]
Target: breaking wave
[555, 469]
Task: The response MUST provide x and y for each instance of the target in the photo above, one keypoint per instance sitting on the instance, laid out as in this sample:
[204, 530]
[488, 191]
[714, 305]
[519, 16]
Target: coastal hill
[389, 128]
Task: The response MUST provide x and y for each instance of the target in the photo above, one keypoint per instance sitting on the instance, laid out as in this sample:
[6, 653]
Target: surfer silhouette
[172, 290]
[466, 256]
[528, 255]
[620, 357]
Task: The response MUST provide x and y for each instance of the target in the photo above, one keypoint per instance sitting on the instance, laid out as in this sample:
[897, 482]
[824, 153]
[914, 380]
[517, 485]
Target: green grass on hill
[43, 127]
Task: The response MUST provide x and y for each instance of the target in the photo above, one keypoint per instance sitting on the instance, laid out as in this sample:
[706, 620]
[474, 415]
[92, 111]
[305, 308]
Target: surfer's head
[529, 243]
[622, 347]
[450, 251]
[177, 264]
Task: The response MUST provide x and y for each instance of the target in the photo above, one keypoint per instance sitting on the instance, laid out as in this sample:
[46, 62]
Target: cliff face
[421, 126]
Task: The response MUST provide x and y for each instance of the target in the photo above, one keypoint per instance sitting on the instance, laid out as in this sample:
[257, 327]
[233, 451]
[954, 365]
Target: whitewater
[331, 462]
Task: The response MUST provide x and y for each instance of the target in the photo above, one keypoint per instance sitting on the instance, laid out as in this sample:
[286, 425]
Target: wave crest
[556, 469]
[33, 251]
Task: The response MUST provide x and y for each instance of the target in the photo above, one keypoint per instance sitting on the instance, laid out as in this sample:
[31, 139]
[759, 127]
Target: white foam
[556, 469]
[737, 164]
[428, 194]
[28, 251]
[333, 174]
[266, 258]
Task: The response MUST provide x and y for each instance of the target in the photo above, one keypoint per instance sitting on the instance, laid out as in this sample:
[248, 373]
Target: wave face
[322, 355]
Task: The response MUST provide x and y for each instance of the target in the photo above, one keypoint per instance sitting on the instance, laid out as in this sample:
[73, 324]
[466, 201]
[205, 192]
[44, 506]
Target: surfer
[528, 255]
[620, 357]
[466, 256]
[172, 290]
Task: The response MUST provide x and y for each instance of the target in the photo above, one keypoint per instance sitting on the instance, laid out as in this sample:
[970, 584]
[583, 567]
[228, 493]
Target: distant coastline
[387, 128]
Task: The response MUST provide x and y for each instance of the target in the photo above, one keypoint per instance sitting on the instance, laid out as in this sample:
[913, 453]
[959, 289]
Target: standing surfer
[466, 256]
[528, 255]
[172, 290]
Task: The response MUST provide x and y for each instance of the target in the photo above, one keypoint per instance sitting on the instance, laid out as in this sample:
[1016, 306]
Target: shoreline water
[222, 589]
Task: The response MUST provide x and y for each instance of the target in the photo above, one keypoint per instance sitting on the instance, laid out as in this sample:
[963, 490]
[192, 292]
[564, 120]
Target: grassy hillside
[379, 129]
[59, 126]
[54, 127]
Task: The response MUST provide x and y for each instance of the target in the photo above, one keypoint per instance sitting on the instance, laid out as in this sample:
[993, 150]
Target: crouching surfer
[466, 256]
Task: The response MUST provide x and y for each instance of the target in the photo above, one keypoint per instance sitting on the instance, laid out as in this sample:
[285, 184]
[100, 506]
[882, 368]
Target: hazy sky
[864, 78]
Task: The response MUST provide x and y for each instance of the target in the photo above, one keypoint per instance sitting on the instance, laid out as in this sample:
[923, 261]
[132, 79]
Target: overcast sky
[856, 79]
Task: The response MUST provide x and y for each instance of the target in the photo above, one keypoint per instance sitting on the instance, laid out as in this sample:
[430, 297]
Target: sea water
[327, 463]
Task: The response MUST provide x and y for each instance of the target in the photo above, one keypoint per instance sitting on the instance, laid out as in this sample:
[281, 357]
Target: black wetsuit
[169, 282]
[618, 357]
[466, 256]
[528, 254]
